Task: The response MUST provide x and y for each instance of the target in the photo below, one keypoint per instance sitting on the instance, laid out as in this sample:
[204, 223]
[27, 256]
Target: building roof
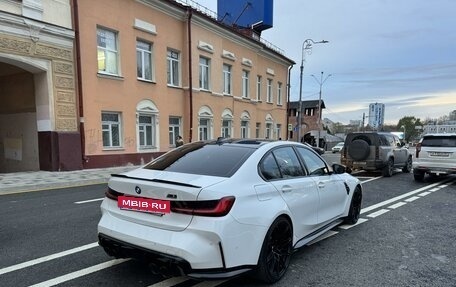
[306, 104]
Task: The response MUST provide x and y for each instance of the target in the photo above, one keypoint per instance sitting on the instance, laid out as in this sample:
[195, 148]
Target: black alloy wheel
[276, 251]
[355, 207]
[408, 165]
[388, 169]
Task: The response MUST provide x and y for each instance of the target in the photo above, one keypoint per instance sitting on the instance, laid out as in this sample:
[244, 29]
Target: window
[144, 60]
[314, 164]
[204, 129]
[107, 54]
[257, 130]
[245, 84]
[269, 91]
[226, 128]
[268, 134]
[244, 129]
[258, 92]
[279, 93]
[269, 168]
[174, 129]
[309, 111]
[111, 129]
[288, 162]
[146, 131]
[226, 79]
[204, 66]
[173, 64]
[278, 130]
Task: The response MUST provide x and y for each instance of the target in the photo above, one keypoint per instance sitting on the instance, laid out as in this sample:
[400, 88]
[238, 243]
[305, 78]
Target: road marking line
[391, 200]
[412, 199]
[443, 185]
[47, 258]
[170, 282]
[348, 226]
[378, 213]
[424, 193]
[79, 273]
[434, 189]
[367, 180]
[399, 204]
[90, 200]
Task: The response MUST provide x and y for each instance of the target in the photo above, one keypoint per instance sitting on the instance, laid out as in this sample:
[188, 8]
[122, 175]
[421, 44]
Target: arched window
[227, 123]
[147, 125]
[205, 118]
[245, 125]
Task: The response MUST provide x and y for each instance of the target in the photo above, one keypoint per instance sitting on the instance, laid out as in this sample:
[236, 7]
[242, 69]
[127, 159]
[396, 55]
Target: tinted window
[269, 168]
[203, 158]
[315, 165]
[288, 162]
[443, 141]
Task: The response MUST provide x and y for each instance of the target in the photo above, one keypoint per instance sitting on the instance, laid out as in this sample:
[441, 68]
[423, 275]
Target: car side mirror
[338, 168]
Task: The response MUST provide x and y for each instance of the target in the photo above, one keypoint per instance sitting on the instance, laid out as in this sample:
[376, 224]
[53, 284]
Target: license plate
[441, 154]
[144, 204]
[359, 162]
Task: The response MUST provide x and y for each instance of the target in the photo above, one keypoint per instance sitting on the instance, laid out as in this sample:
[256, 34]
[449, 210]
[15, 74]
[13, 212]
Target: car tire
[408, 165]
[355, 207]
[388, 169]
[276, 251]
[359, 149]
[418, 176]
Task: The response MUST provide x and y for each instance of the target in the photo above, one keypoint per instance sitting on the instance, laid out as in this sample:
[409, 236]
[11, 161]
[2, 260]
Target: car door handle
[286, 189]
[321, 184]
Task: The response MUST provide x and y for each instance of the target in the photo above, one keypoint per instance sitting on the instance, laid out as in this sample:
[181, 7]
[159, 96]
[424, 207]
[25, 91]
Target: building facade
[151, 70]
[311, 124]
[38, 115]
[376, 115]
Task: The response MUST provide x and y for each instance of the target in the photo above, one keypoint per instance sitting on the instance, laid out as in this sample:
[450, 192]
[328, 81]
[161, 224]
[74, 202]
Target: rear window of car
[203, 158]
[439, 141]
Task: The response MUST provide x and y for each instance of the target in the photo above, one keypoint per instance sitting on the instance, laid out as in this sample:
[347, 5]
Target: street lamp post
[307, 47]
[320, 82]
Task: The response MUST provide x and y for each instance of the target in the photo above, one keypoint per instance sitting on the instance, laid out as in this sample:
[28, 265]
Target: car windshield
[439, 141]
[204, 158]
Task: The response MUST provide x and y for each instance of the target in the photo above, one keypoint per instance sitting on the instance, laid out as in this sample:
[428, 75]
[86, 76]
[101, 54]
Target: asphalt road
[405, 237]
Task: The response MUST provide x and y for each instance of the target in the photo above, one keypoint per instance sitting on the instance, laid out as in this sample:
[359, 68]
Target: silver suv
[435, 155]
[375, 151]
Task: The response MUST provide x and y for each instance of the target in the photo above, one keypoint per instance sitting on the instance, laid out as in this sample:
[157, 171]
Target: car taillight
[418, 149]
[112, 194]
[213, 208]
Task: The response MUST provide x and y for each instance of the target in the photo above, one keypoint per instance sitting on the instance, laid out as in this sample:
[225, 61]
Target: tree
[409, 123]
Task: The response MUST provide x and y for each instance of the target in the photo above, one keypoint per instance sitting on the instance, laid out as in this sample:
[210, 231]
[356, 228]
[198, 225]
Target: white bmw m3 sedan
[216, 209]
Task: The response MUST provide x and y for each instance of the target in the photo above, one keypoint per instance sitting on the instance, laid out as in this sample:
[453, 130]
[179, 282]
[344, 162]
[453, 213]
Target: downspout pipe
[190, 75]
[79, 80]
[288, 99]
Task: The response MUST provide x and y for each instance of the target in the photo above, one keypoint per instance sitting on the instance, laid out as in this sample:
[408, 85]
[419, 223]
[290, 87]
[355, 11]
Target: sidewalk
[37, 180]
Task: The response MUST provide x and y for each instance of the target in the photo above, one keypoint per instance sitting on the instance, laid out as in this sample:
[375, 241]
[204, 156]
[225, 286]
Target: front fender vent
[347, 188]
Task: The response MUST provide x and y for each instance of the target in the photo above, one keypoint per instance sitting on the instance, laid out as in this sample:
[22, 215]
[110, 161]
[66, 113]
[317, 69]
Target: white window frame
[245, 84]
[244, 129]
[257, 130]
[108, 126]
[269, 91]
[108, 54]
[204, 73]
[173, 67]
[141, 61]
[174, 129]
[279, 93]
[145, 134]
[227, 79]
[258, 92]
[204, 129]
[268, 130]
[278, 130]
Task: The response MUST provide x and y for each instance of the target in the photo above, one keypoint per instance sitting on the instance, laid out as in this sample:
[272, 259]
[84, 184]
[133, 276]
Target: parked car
[338, 147]
[216, 209]
[375, 151]
[317, 149]
[435, 155]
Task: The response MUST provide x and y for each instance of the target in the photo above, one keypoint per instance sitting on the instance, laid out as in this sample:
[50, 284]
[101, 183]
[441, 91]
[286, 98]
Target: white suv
[435, 155]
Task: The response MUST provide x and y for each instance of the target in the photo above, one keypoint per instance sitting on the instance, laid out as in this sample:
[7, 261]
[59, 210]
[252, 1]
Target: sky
[401, 53]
